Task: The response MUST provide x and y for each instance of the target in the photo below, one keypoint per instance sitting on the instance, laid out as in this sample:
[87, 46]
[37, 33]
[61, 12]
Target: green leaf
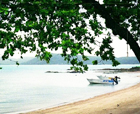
[17, 63]
[97, 53]
[85, 58]
[17, 29]
[85, 67]
[74, 61]
[115, 63]
[6, 12]
[100, 32]
[95, 62]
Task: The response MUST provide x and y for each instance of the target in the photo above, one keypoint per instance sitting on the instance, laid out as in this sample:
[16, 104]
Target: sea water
[28, 87]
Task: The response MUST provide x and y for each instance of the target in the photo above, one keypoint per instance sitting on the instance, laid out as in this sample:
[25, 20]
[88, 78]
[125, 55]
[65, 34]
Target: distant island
[59, 60]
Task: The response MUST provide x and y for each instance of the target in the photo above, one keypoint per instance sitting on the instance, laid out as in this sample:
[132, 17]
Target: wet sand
[125, 101]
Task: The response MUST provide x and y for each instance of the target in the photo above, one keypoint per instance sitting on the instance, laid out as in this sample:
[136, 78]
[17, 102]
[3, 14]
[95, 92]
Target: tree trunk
[115, 27]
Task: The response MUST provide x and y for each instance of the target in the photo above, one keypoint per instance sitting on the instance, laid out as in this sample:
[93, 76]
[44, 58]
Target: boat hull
[99, 81]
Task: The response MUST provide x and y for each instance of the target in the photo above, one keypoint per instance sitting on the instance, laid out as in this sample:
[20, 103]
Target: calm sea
[28, 87]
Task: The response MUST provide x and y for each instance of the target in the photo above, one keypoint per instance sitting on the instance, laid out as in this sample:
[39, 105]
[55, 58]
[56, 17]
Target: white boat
[101, 80]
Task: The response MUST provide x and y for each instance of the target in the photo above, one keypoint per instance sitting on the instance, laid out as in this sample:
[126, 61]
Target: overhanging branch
[115, 27]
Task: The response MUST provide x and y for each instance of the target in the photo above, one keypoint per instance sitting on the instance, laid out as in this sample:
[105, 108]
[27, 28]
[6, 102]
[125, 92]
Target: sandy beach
[125, 101]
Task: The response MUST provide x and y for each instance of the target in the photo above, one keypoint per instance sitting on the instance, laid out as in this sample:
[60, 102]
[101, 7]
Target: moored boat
[104, 80]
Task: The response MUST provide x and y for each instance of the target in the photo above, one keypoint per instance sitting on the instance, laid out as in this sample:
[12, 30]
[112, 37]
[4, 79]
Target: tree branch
[115, 27]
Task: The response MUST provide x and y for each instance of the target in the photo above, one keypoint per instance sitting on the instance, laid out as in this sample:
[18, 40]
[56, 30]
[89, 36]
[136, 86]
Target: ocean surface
[28, 87]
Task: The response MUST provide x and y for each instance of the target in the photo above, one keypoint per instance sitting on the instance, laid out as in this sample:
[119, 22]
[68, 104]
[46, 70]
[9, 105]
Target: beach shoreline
[123, 101]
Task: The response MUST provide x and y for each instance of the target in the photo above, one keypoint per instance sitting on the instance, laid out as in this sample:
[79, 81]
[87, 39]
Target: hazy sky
[120, 48]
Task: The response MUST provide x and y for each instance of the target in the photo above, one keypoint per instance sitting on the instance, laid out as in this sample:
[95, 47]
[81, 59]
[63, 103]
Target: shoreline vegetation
[119, 102]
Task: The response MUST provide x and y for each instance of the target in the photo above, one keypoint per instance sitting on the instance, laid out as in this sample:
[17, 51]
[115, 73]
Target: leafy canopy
[72, 25]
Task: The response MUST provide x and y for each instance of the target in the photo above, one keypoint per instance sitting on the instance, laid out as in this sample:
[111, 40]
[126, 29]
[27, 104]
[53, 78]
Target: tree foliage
[72, 25]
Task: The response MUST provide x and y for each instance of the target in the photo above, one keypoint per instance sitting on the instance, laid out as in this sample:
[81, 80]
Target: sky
[120, 48]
